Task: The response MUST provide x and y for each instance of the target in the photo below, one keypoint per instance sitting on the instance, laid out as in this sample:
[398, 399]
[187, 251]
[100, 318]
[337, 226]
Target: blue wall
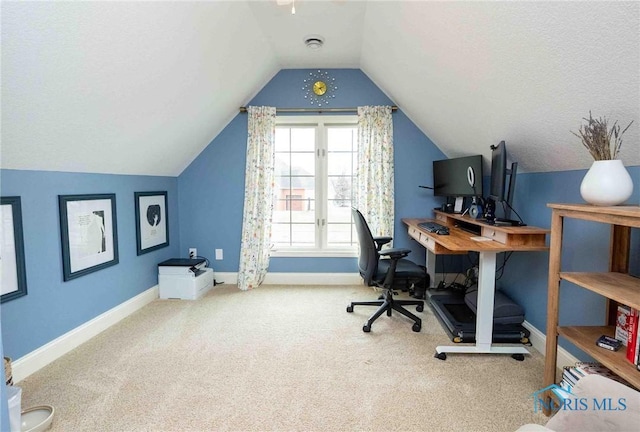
[211, 189]
[53, 307]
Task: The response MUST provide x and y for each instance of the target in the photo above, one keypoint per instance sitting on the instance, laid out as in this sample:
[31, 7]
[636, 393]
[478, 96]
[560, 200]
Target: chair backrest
[368, 258]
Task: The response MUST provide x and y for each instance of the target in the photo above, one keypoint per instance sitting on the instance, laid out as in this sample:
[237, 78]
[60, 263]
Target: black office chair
[383, 272]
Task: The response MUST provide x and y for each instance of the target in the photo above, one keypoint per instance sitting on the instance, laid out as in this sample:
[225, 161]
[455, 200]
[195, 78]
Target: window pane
[341, 139]
[340, 188]
[337, 212]
[303, 139]
[339, 235]
[303, 164]
[303, 234]
[302, 210]
[282, 139]
[281, 234]
[280, 212]
[340, 163]
[283, 164]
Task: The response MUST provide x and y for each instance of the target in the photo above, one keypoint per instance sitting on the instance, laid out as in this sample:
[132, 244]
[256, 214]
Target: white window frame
[321, 183]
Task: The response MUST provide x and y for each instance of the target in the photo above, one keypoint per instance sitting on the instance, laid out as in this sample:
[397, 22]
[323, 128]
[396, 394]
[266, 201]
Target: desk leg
[486, 296]
[484, 314]
[431, 268]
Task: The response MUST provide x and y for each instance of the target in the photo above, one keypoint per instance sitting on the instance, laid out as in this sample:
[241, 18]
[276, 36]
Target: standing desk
[460, 241]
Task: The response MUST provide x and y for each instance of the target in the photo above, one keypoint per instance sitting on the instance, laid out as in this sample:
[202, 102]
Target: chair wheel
[420, 308]
[518, 357]
[416, 327]
[349, 308]
[366, 328]
[441, 356]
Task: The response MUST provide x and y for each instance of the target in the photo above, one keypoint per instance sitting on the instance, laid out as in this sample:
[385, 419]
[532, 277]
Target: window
[316, 162]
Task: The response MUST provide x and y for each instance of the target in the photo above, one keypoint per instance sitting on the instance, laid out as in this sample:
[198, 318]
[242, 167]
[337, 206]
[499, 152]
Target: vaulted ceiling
[142, 87]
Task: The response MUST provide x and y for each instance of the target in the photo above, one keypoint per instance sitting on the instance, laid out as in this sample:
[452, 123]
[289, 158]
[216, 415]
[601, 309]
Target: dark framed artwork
[152, 223]
[89, 233]
[13, 283]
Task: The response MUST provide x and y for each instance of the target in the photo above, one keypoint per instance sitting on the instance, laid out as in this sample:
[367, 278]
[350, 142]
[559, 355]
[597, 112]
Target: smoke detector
[314, 42]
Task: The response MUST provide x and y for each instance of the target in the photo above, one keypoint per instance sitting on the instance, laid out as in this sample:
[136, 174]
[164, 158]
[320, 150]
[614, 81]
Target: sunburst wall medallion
[319, 88]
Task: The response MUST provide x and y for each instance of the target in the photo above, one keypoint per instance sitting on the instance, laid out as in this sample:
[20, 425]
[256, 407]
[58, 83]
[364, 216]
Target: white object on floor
[14, 400]
[185, 286]
[37, 419]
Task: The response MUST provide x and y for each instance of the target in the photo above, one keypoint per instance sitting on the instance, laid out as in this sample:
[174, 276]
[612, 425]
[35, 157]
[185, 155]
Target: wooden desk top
[459, 241]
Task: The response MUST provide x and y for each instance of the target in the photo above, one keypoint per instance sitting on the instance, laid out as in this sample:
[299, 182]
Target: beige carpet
[280, 358]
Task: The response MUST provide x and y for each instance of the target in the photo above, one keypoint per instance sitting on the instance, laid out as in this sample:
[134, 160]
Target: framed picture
[13, 276]
[152, 225]
[89, 233]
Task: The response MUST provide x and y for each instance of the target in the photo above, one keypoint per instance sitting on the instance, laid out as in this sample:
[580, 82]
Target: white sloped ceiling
[471, 74]
[124, 87]
[143, 87]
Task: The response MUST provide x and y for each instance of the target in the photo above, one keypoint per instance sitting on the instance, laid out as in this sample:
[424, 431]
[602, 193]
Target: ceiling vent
[314, 42]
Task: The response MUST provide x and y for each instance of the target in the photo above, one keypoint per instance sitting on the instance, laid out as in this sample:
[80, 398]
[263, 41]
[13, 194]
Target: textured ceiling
[143, 87]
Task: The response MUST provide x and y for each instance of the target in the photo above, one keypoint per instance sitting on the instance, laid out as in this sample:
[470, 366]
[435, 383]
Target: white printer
[183, 278]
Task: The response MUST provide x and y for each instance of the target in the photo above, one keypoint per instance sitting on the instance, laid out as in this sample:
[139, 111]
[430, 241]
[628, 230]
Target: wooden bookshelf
[584, 337]
[616, 285]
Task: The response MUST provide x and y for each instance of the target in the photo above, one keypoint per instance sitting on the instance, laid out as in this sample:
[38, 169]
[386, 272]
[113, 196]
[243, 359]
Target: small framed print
[89, 233]
[152, 225]
[13, 275]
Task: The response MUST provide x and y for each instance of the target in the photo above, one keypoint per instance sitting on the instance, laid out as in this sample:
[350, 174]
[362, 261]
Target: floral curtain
[258, 197]
[374, 192]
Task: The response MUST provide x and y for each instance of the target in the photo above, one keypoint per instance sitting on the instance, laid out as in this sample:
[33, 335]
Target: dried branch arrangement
[603, 143]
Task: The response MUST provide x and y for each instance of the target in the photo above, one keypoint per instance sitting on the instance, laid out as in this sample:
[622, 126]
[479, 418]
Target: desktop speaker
[475, 211]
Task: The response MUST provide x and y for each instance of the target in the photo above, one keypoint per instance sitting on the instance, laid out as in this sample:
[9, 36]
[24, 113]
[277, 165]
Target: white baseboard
[313, 279]
[539, 340]
[297, 278]
[39, 358]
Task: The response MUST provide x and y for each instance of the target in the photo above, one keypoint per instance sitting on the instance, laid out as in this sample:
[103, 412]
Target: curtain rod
[318, 110]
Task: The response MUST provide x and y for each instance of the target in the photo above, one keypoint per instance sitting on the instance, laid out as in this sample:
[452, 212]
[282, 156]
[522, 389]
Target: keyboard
[434, 227]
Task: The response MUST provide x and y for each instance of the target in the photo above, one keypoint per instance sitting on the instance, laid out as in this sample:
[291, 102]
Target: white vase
[607, 183]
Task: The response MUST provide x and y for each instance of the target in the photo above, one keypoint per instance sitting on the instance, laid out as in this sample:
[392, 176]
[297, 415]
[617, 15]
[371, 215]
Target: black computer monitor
[498, 172]
[458, 177]
[500, 190]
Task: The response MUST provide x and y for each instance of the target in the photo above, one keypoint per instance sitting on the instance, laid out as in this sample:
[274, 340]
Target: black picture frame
[152, 221]
[89, 234]
[14, 272]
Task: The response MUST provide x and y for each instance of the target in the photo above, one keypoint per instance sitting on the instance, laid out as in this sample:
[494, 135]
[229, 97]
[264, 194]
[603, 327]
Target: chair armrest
[381, 241]
[395, 253]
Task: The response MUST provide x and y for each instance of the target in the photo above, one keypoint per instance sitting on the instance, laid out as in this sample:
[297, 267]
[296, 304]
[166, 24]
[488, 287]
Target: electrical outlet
[218, 254]
[193, 252]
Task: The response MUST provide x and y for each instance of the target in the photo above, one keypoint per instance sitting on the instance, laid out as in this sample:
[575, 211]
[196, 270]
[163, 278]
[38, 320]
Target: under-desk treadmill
[459, 321]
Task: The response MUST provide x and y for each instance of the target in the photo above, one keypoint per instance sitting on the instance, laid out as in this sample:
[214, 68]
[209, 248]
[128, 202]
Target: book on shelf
[570, 377]
[632, 340]
[624, 319]
[572, 374]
